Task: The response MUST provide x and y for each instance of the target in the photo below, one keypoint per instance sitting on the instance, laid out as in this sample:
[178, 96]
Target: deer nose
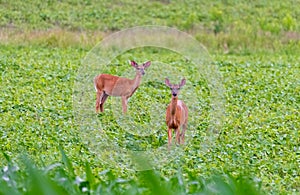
[174, 94]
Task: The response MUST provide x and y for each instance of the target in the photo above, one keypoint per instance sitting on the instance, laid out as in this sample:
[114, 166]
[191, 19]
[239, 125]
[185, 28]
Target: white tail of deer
[176, 114]
[110, 85]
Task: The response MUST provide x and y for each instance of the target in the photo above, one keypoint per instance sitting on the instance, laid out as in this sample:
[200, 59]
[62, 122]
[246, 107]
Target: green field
[253, 46]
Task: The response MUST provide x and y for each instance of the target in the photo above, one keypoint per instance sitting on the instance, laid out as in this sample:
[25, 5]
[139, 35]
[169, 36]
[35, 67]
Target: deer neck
[136, 81]
[174, 105]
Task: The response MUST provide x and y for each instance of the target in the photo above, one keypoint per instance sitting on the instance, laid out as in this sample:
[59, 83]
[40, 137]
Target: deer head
[175, 88]
[140, 69]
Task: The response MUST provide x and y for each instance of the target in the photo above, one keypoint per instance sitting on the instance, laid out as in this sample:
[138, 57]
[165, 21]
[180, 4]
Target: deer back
[114, 85]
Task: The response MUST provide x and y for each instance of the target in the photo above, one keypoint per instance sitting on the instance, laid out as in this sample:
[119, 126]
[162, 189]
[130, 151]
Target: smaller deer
[176, 114]
[110, 85]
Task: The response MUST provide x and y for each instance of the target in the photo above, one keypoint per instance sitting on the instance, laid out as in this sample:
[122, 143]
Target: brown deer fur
[110, 85]
[176, 114]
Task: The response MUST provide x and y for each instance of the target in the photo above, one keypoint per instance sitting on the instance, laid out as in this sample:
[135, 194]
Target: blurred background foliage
[254, 44]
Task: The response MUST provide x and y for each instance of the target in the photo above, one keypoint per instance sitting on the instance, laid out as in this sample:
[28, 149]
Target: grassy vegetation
[229, 26]
[254, 45]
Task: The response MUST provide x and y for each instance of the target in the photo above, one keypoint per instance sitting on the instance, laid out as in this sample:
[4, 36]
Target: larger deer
[110, 85]
[176, 114]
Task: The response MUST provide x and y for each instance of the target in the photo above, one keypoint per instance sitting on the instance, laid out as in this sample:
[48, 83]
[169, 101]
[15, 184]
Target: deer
[176, 113]
[110, 85]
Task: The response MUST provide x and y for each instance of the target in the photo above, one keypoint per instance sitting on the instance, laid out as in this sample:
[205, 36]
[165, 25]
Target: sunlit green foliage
[255, 47]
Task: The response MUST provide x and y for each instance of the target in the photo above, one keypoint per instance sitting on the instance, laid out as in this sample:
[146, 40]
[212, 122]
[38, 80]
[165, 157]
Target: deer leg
[104, 97]
[124, 104]
[169, 137]
[177, 131]
[98, 99]
[183, 133]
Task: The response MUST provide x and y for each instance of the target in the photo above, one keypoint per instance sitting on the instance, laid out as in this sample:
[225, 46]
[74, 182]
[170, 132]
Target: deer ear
[134, 64]
[147, 64]
[182, 82]
[167, 82]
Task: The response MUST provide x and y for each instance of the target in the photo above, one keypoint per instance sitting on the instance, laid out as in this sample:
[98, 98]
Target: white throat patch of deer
[110, 85]
[176, 114]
